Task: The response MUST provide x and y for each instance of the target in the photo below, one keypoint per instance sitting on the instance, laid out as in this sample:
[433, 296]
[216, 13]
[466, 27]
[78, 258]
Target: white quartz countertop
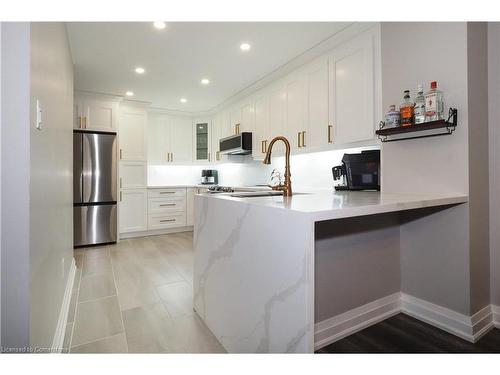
[329, 205]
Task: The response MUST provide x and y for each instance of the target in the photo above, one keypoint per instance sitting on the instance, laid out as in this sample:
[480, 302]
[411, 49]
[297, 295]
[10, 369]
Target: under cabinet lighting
[139, 70]
[205, 81]
[129, 93]
[183, 100]
[160, 25]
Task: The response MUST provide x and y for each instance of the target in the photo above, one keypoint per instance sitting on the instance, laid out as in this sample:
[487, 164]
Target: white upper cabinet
[295, 110]
[261, 133]
[277, 116]
[315, 134]
[202, 150]
[235, 120]
[170, 139]
[132, 133]
[95, 114]
[158, 138]
[352, 90]
[247, 117]
[181, 140]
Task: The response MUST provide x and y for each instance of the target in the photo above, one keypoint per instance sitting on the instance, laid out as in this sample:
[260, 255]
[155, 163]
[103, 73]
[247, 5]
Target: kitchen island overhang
[254, 263]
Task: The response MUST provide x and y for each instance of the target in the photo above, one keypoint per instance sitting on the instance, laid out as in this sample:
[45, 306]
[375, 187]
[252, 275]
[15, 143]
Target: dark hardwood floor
[404, 334]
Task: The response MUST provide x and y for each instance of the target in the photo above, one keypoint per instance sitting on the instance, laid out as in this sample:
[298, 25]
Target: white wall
[494, 154]
[15, 160]
[51, 177]
[434, 247]
[37, 197]
[0, 182]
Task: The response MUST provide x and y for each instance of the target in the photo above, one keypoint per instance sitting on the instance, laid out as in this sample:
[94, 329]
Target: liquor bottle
[434, 107]
[419, 110]
[406, 109]
[392, 117]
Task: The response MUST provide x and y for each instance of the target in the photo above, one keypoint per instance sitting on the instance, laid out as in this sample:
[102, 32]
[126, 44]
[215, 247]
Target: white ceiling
[176, 58]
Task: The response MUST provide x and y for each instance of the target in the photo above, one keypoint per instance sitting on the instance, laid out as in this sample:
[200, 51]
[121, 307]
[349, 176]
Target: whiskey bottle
[406, 109]
[434, 107]
[419, 110]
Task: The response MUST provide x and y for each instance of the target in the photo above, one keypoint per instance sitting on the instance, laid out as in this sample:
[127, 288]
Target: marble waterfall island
[254, 270]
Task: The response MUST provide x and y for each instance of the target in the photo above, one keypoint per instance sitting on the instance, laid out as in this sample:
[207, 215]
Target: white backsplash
[309, 171]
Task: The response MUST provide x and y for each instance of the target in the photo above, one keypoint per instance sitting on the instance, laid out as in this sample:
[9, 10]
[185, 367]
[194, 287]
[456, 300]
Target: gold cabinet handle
[298, 139]
[237, 128]
[265, 146]
[80, 122]
[167, 156]
[304, 138]
[167, 192]
[168, 205]
[262, 147]
[167, 221]
[120, 182]
[120, 196]
[171, 156]
[85, 122]
[121, 153]
[217, 155]
[330, 128]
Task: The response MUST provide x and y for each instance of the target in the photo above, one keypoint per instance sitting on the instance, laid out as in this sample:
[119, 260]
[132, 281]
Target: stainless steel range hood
[238, 144]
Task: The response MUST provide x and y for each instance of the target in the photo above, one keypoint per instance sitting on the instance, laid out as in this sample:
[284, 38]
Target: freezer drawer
[94, 224]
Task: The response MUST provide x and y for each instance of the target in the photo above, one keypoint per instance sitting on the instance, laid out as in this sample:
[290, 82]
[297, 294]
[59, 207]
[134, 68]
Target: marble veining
[252, 287]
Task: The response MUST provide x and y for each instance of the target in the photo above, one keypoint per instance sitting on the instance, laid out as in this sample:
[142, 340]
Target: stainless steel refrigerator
[94, 188]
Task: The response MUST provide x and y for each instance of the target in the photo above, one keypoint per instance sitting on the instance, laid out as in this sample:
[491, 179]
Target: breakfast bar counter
[254, 263]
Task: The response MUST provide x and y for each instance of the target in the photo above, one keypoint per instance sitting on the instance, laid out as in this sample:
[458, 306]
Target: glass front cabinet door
[202, 141]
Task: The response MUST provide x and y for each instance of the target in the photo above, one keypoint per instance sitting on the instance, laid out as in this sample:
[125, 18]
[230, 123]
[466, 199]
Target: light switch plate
[38, 124]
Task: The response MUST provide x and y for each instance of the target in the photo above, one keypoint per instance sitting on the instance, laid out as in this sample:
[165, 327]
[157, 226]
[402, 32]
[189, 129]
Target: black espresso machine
[358, 171]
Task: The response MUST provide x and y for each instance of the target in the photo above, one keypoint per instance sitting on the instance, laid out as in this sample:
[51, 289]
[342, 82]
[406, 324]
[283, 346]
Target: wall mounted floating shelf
[427, 129]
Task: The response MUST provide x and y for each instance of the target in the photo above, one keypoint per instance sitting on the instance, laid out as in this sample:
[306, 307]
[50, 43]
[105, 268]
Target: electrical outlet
[38, 124]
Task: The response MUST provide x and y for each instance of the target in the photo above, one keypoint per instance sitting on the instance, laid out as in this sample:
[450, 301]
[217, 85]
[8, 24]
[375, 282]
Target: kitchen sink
[256, 194]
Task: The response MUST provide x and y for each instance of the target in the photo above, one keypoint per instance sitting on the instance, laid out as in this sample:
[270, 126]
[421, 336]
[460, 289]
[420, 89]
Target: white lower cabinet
[133, 210]
[166, 220]
[166, 208]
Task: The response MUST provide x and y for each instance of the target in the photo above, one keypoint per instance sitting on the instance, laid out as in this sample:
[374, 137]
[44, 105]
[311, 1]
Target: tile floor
[136, 297]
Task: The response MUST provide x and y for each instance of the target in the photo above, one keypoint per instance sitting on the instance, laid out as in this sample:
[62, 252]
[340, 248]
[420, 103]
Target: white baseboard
[352, 321]
[58, 341]
[496, 315]
[156, 232]
[470, 328]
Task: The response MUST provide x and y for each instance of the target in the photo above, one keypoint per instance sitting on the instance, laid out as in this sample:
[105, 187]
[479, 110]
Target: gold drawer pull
[330, 128]
[304, 138]
[167, 221]
[298, 139]
[168, 205]
[167, 192]
[121, 154]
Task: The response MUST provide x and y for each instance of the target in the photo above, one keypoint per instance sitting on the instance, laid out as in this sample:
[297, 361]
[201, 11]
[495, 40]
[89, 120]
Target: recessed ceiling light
[139, 70]
[129, 93]
[205, 81]
[183, 100]
[245, 46]
[160, 25]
